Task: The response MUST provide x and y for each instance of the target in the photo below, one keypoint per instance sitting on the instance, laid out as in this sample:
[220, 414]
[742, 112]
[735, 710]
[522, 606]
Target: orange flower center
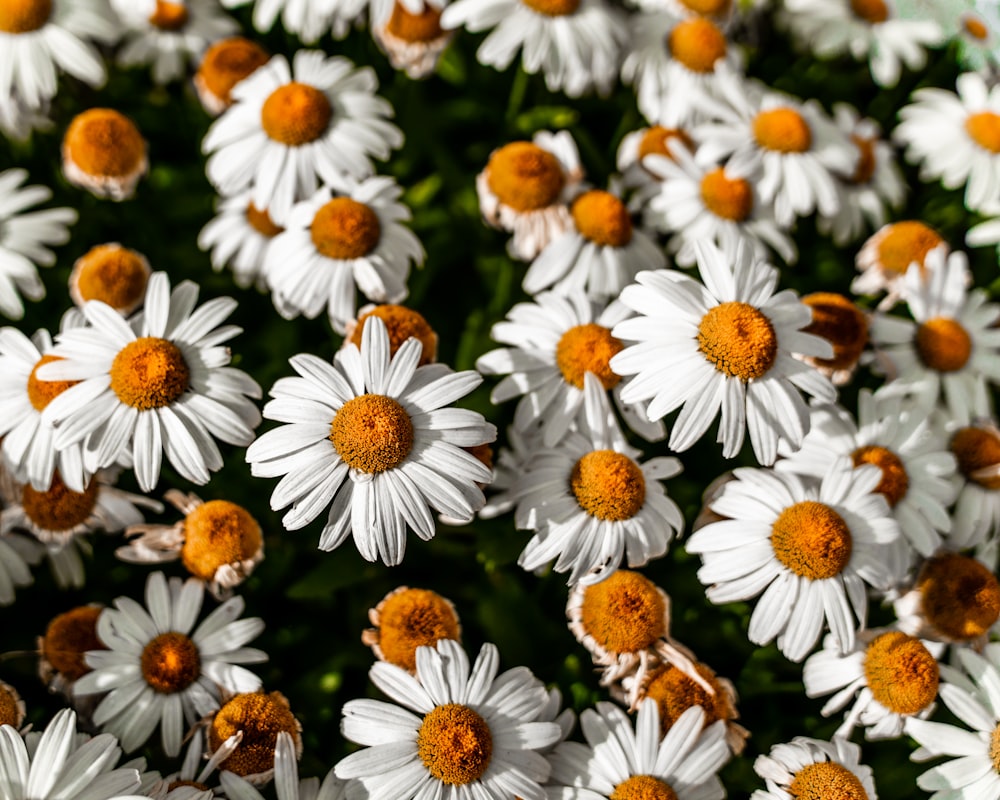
[977, 449]
[372, 433]
[67, 637]
[624, 612]
[401, 323]
[193, 784]
[524, 176]
[58, 509]
[296, 114]
[24, 16]
[103, 142]
[261, 222]
[842, 324]
[783, 130]
[41, 393]
[895, 482]
[414, 618]
[643, 787]
[170, 663]
[169, 16]
[112, 274]
[455, 744]
[588, 348]
[656, 139]
[261, 717]
[825, 780]
[812, 540]
[675, 692]
[901, 674]
[871, 11]
[344, 229]
[904, 243]
[149, 373]
[608, 485]
[943, 345]
[422, 27]
[217, 533]
[697, 43]
[729, 198]
[602, 218]
[553, 8]
[975, 28]
[995, 749]
[739, 340]
[228, 62]
[865, 169]
[959, 596]
[10, 712]
[984, 128]
[708, 8]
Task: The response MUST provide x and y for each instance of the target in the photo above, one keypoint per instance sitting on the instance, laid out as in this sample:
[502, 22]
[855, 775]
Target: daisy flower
[409, 32]
[290, 129]
[373, 438]
[631, 157]
[474, 731]
[976, 516]
[339, 241]
[286, 779]
[807, 767]
[888, 254]
[807, 550]
[159, 387]
[12, 708]
[25, 238]
[242, 736]
[17, 553]
[309, 20]
[845, 326]
[725, 344]
[157, 672]
[226, 63]
[406, 619]
[104, 153]
[112, 274]
[401, 323]
[62, 650]
[239, 237]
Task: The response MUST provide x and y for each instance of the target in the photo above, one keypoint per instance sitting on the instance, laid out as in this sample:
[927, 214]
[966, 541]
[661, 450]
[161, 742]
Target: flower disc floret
[728, 198]
[455, 744]
[414, 618]
[984, 129]
[783, 130]
[553, 8]
[401, 323]
[812, 540]
[170, 662]
[901, 673]
[24, 16]
[842, 324]
[943, 344]
[643, 787]
[525, 176]
[738, 339]
[169, 16]
[149, 372]
[68, 637]
[58, 508]
[608, 485]
[602, 218]
[675, 692]
[624, 613]
[904, 243]
[261, 222]
[697, 43]
[895, 482]
[295, 114]
[112, 274]
[104, 142]
[260, 717]
[41, 393]
[823, 780]
[871, 11]
[372, 433]
[344, 229]
[588, 348]
[217, 533]
[959, 596]
[10, 712]
[228, 62]
[424, 26]
[976, 449]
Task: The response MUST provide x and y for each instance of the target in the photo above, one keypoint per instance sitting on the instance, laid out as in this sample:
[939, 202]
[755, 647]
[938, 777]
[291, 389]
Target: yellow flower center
[553, 8]
[67, 637]
[112, 274]
[995, 749]
[149, 373]
[871, 11]
[10, 712]
[960, 597]
[588, 348]
[170, 663]
[524, 176]
[943, 344]
[608, 485]
[977, 449]
[739, 340]
[708, 8]
[414, 618]
[104, 143]
[656, 139]
[643, 787]
[812, 540]
[975, 28]
[675, 692]
[422, 27]
[228, 62]
[905, 242]
[261, 222]
[217, 533]
[344, 229]
[729, 198]
[455, 744]
[401, 323]
[825, 780]
[59, 508]
[842, 324]
[41, 393]
[984, 128]
[193, 784]
[24, 16]
[372, 433]
[169, 16]
[296, 114]
[602, 218]
[783, 130]
[901, 674]
[261, 717]
[624, 612]
[697, 43]
[895, 482]
[865, 169]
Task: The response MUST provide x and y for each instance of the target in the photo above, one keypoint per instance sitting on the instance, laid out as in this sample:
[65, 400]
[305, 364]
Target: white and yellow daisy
[373, 438]
[110, 273]
[62, 650]
[889, 253]
[725, 344]
[632, 151]
[973, 26]
[307, 20]
[401, 323]
[410, 34]
[844, 325]
[976, 516]
[12, 708]
[159, 387]
[408, 618]
[807, 767]
[104, 153]
[224, 64]
[808, 550]
[239, 237]
[287, 784]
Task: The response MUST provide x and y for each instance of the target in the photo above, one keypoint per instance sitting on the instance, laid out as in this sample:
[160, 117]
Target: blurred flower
[410, 34]
[808, 767]
[62, 650]
[240, 236]
[104, 153]
[845, 326]
[112, 274]
[226, 63]
[887, 255]
[307, 20]
[406, 619]
[976, 516]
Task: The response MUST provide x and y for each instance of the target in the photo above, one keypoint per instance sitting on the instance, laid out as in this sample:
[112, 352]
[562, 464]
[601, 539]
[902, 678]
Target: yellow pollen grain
[842, 324]
[708, 8]
[229, 61]
[112, 274]
[372, 433]
[217, 533]
[261, 222]
[975, 28]
[812, 540]
[10, 713]
[895, 482]
[149, 373]
[104, 143]
[261, 717]
[826, 780]
[170, 663]
[588, 348]
[414, 618]
[24, 16]
[901, 673]
[455, 744]
[977, 449]
[41, 393]
[943, 344]
[728, 198]
[295, 114]
[959, 596]
[624, 613]
[675, 692]
[783, 130]
[553, 8]
[422, 27]
[697, 43]
[656, 139]
[343, 229]
[871, 11]
[984, 129]
[995, 749]
[67, 637]
[905, 242]
[865, 169]
[169, 16]
[739, 340]
[401, 323]
[524, 176]
[59, 508]
[643, 787]
[602, 218]
[608, 485]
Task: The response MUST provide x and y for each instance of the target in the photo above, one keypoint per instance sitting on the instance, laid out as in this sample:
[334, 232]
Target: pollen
[344, 229]
[413, 618]
[657, 138]
[643, 787]
[975, 28]
[169, 16]
[728, 198]
[58, 509]
[24, 16]
[10, 709]
[41, 393]
[261, 717]
[67, 637]
[217, 533]
[904, 243]
[588, 348]
[227, 62]
[895, 482]
[697, 43]
[995, 748]
[401, 323]
[553, 8]
[372, 433]
[977, 449]
[812, 540]
[105, 143]
[602, 218]
[149, 373]
[624, 613]
[739, 340]
[865, 169]
[842, 324]
[984, 129]
[112, 274]
[261, 222]
[295, 114]
[675, 692]
[455, 744]
[824, 780]
[193, 784]
[608, 485]
[871, 11]
[959, 596]
[943, 345]
[901, 673]
[708, 8]
[524, 176]
[422, 27]
[170, 663]
[783, 130]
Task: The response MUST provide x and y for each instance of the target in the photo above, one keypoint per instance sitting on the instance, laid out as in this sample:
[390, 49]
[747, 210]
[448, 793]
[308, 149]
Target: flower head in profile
[224, 64]
[406, 619]
[888, 254]
[976, 516]
[104, 153]
[844, 324]
[110, 273]
[410, 34]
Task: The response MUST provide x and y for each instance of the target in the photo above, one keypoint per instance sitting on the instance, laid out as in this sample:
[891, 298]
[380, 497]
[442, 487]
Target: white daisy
[889, 253]
[976, 516]
[157, 672]
[104, 153]
[160, 386]
[807, 550]
[807, 767]
[725, 345]
[287, 784]
[400, 323]
[471, 734]
[307, 20]
[632, 151]
[226, 63]
[372, 437]
[410, 34]
[239, 236]
[290, 129]
[972, 25]
[508, 467]
[12, 708]
[18, 120]
[341, 240]
[844, 325]
[68, 637]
